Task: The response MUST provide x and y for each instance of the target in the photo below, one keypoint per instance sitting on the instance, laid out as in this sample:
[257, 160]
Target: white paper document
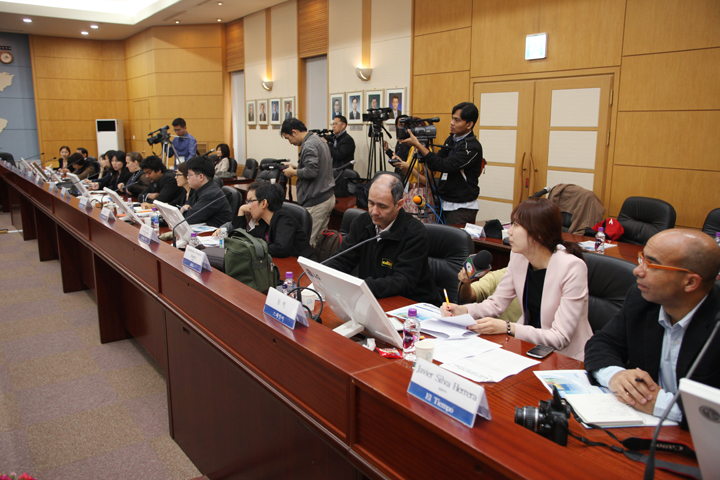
[425, 311]
[449, 327]
[210, 241]
[202, 228]
[568, 382]
[448, 351]
[491, 366]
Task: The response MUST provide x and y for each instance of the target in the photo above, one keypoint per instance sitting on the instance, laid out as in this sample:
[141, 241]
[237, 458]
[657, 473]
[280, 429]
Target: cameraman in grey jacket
[314, 171]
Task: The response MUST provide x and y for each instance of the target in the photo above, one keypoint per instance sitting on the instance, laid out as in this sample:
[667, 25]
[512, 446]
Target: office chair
[301, 215]
[218, 181]
[234, 198]
[712, 223]
[348, 217]
[251, 169]
[609, 280]
[580, 207]
[448, 248]
[643, 217]
[232, 168]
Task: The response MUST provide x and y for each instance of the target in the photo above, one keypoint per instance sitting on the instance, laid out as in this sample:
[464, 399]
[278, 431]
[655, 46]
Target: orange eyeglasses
[644, 263]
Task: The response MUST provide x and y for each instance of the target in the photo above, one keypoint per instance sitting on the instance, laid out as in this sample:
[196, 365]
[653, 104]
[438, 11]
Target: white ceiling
[118, 19]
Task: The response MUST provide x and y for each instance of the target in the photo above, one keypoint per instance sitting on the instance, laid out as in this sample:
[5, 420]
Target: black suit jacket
[166, 188]
[212, 197]
[344, 152]
[633, 339]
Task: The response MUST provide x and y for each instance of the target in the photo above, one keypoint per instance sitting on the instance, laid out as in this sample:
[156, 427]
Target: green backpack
[247, 260]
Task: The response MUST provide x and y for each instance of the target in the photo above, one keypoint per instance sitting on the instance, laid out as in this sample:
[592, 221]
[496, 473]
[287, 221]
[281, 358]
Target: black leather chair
[448, 248]
[234, 198]
[218, 181]
[251, 169]
[301, 215]
[232, 168]
[609, 280]
[8, 157]
[643, 217]
[712, 223]
[348, 217]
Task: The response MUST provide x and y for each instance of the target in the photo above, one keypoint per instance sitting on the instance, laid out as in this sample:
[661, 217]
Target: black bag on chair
[345, 182]
[362, 191]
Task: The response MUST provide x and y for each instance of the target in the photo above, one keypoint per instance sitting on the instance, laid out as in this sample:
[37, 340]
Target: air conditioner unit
[110, 135]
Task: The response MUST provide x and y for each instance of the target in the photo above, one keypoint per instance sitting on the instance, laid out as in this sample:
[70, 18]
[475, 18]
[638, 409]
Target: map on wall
[5, 81]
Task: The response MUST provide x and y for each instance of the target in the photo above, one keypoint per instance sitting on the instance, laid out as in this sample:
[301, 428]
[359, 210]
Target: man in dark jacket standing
[342, 145]
[396, 264]
[163, 185]
[460, 161]
[208, 204]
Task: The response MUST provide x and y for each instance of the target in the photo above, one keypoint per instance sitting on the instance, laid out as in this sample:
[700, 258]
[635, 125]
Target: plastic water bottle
[411, 334]
[600, 241]
[222, 237]
[288, 285]
[155, 220]
[194, 241]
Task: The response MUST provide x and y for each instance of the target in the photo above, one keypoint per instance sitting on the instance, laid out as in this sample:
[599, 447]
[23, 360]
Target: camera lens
[528, 417]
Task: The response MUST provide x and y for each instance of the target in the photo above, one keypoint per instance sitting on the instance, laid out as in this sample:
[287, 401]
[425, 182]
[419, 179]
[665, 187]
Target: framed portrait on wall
[396, 100]
[354, 108]
[275, 116]
[288, 108]
[250, 111]
[262, 112]
[373, 99]
[336, 105]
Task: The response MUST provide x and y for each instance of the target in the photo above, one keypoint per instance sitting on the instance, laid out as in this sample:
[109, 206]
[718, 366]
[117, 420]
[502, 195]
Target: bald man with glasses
[644, 351]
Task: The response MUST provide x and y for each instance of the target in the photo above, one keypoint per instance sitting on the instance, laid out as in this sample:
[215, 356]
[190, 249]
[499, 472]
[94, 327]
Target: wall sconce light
[363, 74]
[267, 85]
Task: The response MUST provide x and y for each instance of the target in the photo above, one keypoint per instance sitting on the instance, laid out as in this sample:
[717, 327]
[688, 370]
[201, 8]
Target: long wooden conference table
[249, 398]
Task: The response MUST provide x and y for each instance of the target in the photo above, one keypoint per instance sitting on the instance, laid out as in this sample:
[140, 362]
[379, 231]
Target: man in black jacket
[209, 204]
[397, 264]
[342, 145]
[460, 161]
[644, 351]
[163, 185]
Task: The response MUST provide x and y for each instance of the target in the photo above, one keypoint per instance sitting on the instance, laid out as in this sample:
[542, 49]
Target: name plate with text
[196, 259]
[63, 193]
[83, 202]
[147, 235]
[107, 214]
[453, 395]
[285, 309]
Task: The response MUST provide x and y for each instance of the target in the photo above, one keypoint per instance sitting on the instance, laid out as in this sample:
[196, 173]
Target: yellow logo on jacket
[386, 263]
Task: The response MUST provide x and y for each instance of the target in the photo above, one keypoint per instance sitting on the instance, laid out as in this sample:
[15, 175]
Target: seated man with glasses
[644, 351]
[207, 203]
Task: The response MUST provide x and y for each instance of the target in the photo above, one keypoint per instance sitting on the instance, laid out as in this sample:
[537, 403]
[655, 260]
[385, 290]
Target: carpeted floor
[71, 408]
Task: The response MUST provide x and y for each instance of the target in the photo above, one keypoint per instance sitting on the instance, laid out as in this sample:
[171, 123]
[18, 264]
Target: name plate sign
[196, 259]
[147, 235]
[83, 202]
[63, 193]
[453, 395]
[285, 309]
[107, 214]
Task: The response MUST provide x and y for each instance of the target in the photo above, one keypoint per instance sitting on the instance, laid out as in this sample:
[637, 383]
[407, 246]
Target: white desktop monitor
[24, 165]
[129, 212]
[78, 184]
[352, 301]
[702, 409]
[39, 171]
[173, 217]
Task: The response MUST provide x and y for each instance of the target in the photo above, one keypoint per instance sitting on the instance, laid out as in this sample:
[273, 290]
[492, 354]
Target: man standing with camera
[314, 171]
[342, 145]
[184, 145]
[460, 162]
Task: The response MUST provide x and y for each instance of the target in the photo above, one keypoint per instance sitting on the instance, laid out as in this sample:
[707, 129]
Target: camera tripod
[376, 154]
[428, 192]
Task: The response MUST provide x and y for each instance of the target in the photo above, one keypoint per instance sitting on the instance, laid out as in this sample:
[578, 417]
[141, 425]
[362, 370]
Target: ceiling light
[177, 21]
[94, 26]
[27, 20]
[84, 33]
[219, 20]
[220, 3]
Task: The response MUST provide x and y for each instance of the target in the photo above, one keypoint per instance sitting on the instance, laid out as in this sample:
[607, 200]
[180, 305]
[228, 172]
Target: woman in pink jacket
[549, 278]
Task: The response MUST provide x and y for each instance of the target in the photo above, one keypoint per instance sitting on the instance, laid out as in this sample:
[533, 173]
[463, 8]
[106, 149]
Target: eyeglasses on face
[249, 201]
[643, 262]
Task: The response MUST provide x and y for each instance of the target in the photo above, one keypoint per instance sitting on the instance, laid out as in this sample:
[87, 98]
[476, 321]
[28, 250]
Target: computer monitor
[173, 216]
[129, 212]
[352, 301]
[78, 184]
[24, 165]
[39, 171]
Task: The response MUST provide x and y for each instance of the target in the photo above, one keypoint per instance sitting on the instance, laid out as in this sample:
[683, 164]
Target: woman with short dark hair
[549, 278]
[118, 174]
[223, 158]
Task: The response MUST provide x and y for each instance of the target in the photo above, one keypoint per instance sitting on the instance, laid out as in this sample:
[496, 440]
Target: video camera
[326, 134]
[377, 115]
[422, 128]
[161, 135]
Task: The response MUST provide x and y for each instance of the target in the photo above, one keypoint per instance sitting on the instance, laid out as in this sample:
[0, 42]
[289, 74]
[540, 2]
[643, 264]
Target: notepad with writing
[605, 410]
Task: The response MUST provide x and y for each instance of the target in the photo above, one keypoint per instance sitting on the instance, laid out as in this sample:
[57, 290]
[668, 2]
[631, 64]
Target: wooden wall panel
[204, 106]
[581, 34]
[203, 83]
[235, 45]
[312, 28]
[672, 185]
[671, 81]
[190, 60]
[137, 44]
[185, 36]
[139, 65]
[81, 68]
[680, 140]
[62, 129]
[653, 26]
[454, 88]
[432, 16]
[442, 52]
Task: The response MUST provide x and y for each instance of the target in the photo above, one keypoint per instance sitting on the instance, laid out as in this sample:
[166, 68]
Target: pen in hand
[447, 300]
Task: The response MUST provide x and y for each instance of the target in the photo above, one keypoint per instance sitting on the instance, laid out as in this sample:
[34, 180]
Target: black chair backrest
[251, 169]
[348, 217]
[8, 157]
[218, 181]
[448, 248]
[301, 215]
[609, 280]
[232, 168]
[712, 223]
[566, 221]
[643, 217]
[234, 198]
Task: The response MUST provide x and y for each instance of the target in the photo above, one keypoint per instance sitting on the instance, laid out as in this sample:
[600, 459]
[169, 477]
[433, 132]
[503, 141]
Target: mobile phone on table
[540, 351]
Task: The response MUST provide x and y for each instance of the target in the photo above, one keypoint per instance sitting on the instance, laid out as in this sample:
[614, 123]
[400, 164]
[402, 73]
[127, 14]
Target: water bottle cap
[717, 234]
[154, 209]
[601, 229]
[193, 234]
[412, 312]
[288, 275]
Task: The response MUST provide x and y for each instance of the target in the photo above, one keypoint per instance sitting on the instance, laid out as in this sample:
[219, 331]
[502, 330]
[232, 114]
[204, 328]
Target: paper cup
[425, 349]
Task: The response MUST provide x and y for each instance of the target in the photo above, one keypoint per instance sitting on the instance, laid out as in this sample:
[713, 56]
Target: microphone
[478, 265]
[419, 201]
[42, 163]
[190, 216]
[347, 165]
[36, 156]
[206, 154]
[650, 465]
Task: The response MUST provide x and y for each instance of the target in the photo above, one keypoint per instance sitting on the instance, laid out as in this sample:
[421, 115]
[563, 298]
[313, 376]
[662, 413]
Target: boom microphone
[419, 201]
[478, 265]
